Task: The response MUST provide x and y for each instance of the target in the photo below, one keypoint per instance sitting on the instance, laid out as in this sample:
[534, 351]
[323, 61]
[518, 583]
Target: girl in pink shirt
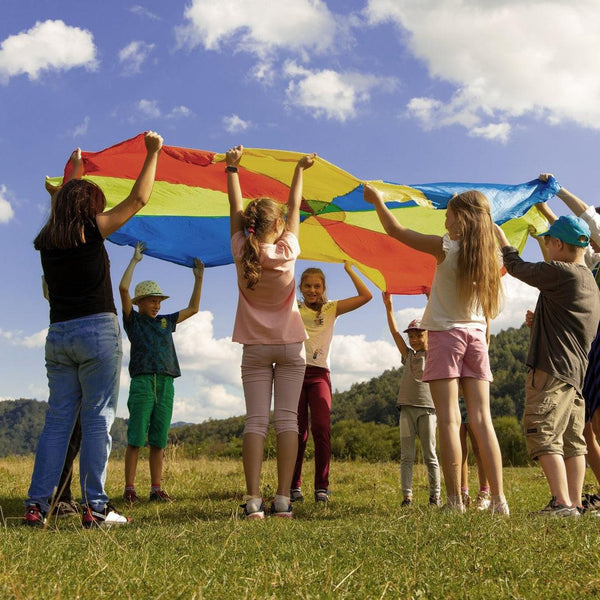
[269, 326]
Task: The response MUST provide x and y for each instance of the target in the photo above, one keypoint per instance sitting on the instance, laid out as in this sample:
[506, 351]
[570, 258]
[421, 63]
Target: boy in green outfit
[153, 366]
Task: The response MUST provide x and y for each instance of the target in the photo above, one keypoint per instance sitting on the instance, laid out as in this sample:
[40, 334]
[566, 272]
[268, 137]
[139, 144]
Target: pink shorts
[456, 353]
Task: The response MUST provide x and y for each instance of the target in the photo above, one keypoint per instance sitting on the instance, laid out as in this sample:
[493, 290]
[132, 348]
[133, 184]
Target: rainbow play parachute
[188, 213]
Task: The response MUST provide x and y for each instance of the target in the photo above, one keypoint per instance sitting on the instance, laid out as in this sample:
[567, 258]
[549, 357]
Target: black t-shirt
[78, 278]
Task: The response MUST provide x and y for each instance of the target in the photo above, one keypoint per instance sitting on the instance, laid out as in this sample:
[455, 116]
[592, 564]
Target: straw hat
[147, 288]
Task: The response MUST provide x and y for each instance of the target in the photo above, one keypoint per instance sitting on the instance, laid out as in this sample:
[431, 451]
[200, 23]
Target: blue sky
[412, 92]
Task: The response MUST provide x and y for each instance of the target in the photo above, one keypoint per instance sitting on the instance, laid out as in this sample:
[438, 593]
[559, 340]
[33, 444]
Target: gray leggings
[272, 370]
[422, 422]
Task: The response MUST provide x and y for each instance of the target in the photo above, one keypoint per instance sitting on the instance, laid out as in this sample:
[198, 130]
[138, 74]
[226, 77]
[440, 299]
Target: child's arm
[430, 244]
[292, 220]
[234, 191]
[364, 295]
[501, 237]
[108, 222]
[194, 304]
[576, 205]
[125, 282]
[76, 172]
[389, 311]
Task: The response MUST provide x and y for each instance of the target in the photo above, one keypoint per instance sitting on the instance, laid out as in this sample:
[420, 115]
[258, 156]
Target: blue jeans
[83, 363]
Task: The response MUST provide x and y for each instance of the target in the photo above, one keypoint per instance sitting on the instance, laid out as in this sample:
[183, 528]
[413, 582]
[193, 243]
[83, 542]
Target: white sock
[282, 503]
[252, 503]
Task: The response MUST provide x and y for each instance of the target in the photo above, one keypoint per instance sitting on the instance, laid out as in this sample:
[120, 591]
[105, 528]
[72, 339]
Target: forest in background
[364, 418]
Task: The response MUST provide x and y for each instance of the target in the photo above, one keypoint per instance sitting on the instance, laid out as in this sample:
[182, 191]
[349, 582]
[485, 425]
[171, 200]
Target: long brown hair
[73, 206]
[260, 217]
[478, 265]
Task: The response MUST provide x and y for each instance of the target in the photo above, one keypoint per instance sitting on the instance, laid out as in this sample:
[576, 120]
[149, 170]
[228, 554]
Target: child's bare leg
[287, 449]
[252, 458]
[156, 465]
[483, 480]
[555, 470]
[477, 399]
[445, 399]
[464, 448]
[575, 468]
[593, 451]
[131, 459]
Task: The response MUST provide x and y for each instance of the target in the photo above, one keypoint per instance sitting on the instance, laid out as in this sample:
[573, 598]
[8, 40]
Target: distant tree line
[22, 421]
[364, 418]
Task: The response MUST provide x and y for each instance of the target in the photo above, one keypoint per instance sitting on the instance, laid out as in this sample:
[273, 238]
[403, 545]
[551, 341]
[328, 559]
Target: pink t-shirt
[268, 314]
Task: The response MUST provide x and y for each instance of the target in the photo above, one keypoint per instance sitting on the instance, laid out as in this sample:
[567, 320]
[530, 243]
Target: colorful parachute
[188, 213]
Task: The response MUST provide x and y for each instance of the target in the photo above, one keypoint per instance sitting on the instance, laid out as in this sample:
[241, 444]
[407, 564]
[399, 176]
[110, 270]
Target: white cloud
[235, 124]
[6, 209]
[519, 298]
[82, 128]
[210, 402]
[260, 27]
[17, 338]
[179, 112]
[149, 108]
[506, 59]
[133, 56]
[493, 131]
[137, 9]
[354, 359]
[330, 93]
[47, 46]
[217, 360]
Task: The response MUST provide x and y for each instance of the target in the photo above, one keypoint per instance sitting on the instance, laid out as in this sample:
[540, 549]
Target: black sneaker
[131, 497]
[296, 495]
[321, 495]
[590, 502]
[286, 513]
[554, 509]
[160, 496]
[103, 518]
[35, 516]
[406, 502]
[66, 509]
[434, 500]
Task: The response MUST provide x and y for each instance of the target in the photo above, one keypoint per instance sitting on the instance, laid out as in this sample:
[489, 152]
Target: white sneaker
[103, 518]
[499, 508]
[254, 508]
[482, 502]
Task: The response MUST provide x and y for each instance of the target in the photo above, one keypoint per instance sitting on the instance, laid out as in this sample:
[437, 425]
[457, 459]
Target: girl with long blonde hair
[465, 294]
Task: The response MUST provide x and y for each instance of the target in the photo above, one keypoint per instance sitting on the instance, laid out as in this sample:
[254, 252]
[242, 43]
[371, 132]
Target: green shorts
[150, 405]
[554, 417]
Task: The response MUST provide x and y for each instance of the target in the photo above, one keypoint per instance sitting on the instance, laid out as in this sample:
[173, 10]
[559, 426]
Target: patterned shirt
[152, 348]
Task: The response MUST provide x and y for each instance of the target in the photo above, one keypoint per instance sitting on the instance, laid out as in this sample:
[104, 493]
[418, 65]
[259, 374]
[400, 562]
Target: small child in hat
[415, 404]
[152, 366]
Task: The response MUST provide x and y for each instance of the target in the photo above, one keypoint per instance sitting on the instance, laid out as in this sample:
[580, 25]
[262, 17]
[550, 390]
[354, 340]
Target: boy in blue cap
[564, 325]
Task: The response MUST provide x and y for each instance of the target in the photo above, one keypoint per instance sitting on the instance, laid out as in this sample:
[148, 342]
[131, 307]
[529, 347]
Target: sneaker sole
[256, 516]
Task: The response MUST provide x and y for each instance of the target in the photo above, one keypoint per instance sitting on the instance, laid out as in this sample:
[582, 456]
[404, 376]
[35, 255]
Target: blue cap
[571, 230]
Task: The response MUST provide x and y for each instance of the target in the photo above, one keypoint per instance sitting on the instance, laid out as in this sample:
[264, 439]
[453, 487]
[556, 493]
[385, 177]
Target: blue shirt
[152, 348]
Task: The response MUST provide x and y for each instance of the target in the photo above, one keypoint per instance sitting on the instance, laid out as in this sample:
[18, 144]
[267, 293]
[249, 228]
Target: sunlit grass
[361, 545]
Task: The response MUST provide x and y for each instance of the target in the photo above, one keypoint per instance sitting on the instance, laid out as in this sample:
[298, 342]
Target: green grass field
[362, 545]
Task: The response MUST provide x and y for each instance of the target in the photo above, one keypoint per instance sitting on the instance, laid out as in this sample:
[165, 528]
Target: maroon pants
[316, 396]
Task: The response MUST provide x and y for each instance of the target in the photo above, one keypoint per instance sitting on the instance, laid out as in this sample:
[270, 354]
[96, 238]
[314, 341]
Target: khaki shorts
[554, 417]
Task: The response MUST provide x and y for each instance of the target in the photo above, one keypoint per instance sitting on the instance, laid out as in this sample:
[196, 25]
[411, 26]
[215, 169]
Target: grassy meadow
[361, 545]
